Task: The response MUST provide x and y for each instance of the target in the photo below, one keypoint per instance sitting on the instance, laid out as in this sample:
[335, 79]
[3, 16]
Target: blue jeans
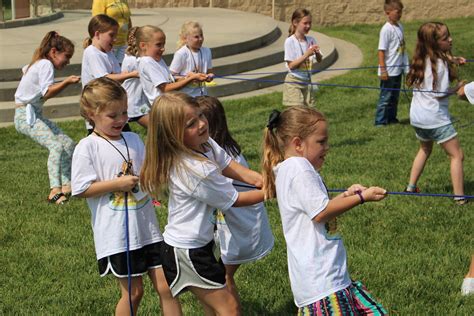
[386, 111]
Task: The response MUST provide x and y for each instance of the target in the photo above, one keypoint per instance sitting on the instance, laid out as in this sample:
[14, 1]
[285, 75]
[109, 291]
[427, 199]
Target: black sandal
[56, 197]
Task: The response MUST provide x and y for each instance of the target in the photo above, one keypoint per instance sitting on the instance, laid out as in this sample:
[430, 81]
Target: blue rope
[129, 266]
[332, 85]
[418, 194]
[388, 192]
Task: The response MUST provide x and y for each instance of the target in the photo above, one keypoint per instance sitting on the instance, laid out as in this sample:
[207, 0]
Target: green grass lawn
[411, 252]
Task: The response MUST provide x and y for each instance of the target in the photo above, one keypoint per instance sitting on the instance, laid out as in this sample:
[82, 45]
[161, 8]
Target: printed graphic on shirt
[218, 217]
[117, 201]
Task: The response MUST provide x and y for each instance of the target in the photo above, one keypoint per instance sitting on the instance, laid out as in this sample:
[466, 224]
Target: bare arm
[383, 66]
[249, 198]
[55, 88]
[314, 49]
[240, 173]
[338, 206]
[121, 77]
[183, 81]
[124, 183]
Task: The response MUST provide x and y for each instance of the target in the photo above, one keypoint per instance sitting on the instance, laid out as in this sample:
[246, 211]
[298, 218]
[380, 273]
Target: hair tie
[273, 119]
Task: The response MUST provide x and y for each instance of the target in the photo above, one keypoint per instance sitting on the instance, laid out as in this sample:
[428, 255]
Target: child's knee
[137, 294]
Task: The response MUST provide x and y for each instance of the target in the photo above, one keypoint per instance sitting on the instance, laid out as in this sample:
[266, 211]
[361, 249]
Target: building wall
[324, 12]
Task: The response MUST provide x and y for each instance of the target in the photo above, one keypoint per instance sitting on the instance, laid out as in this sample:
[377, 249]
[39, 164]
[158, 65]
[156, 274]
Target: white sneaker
[467, 286]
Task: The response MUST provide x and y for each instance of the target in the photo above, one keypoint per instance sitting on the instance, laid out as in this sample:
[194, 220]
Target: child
[431, 72]
[138, 106]
[392, 62]
[119, 11]
[154, 73]
[467, 288]
[301, 52]
[244, 233]
[105, 165]
[295, 146]
[36, 86]
[181, 158]
[98, 59]
[192, 57]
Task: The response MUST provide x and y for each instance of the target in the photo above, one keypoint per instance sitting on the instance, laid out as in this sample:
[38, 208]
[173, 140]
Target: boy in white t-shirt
[392, 62]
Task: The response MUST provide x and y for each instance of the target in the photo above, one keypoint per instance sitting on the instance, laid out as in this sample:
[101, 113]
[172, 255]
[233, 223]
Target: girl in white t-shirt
[98, 60]
[431, 71]
[301, 52]
[182, 159]
[191, 56]
[155, 76]
[105, 171]
[244, 233]
[294, 149]
[138, 106]
[36, 86]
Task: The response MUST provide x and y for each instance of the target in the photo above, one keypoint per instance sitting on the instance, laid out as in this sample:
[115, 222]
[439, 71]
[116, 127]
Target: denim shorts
[439, 135]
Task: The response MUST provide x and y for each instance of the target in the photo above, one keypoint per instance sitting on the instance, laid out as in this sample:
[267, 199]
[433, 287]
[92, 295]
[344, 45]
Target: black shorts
[199, 268]
[141, 260]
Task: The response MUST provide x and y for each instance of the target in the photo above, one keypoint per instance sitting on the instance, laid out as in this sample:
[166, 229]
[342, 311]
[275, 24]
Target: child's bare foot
[56, 196]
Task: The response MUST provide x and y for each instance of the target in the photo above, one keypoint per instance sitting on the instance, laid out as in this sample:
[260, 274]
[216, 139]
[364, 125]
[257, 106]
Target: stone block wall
[334, 12]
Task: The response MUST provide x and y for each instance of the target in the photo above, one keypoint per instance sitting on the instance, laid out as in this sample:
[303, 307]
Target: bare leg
[454, 151]
[220, 300]
[123, 305]
[169, 305]
[230, 270]
[420, 160]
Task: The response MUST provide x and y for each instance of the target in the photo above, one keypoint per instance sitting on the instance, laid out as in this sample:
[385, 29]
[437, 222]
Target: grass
[411, 252]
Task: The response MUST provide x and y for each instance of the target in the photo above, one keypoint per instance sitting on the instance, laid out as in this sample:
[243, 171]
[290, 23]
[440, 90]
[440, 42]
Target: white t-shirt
[469, 91]
[97, 64]
[426, 110]
[316, 257]
[96, 160]
[137, 101]
[195, 191]
[294, 49]
[35, 83]
[152, 74]
[391, 40]
[244, 232]
[185, 61]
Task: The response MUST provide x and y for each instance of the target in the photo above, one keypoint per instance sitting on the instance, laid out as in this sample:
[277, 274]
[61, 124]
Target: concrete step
[262, 56]
[260, 78]
[232, 39]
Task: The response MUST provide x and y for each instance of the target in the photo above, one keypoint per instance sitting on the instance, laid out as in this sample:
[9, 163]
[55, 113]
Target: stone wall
[325, 12]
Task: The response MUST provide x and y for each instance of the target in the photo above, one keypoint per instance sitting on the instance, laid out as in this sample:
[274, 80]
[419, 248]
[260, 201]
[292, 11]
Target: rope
[388, 192]
[129, 266]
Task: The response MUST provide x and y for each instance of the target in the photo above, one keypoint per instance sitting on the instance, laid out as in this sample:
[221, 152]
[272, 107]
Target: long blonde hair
[144, 34]
[98, 94]
[51, 40]
[186, 29]
[295, 121]
[132, 48]
[165, 146]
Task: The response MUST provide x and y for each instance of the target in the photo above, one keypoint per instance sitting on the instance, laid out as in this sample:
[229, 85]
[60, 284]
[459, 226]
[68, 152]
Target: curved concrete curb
[31, 21]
